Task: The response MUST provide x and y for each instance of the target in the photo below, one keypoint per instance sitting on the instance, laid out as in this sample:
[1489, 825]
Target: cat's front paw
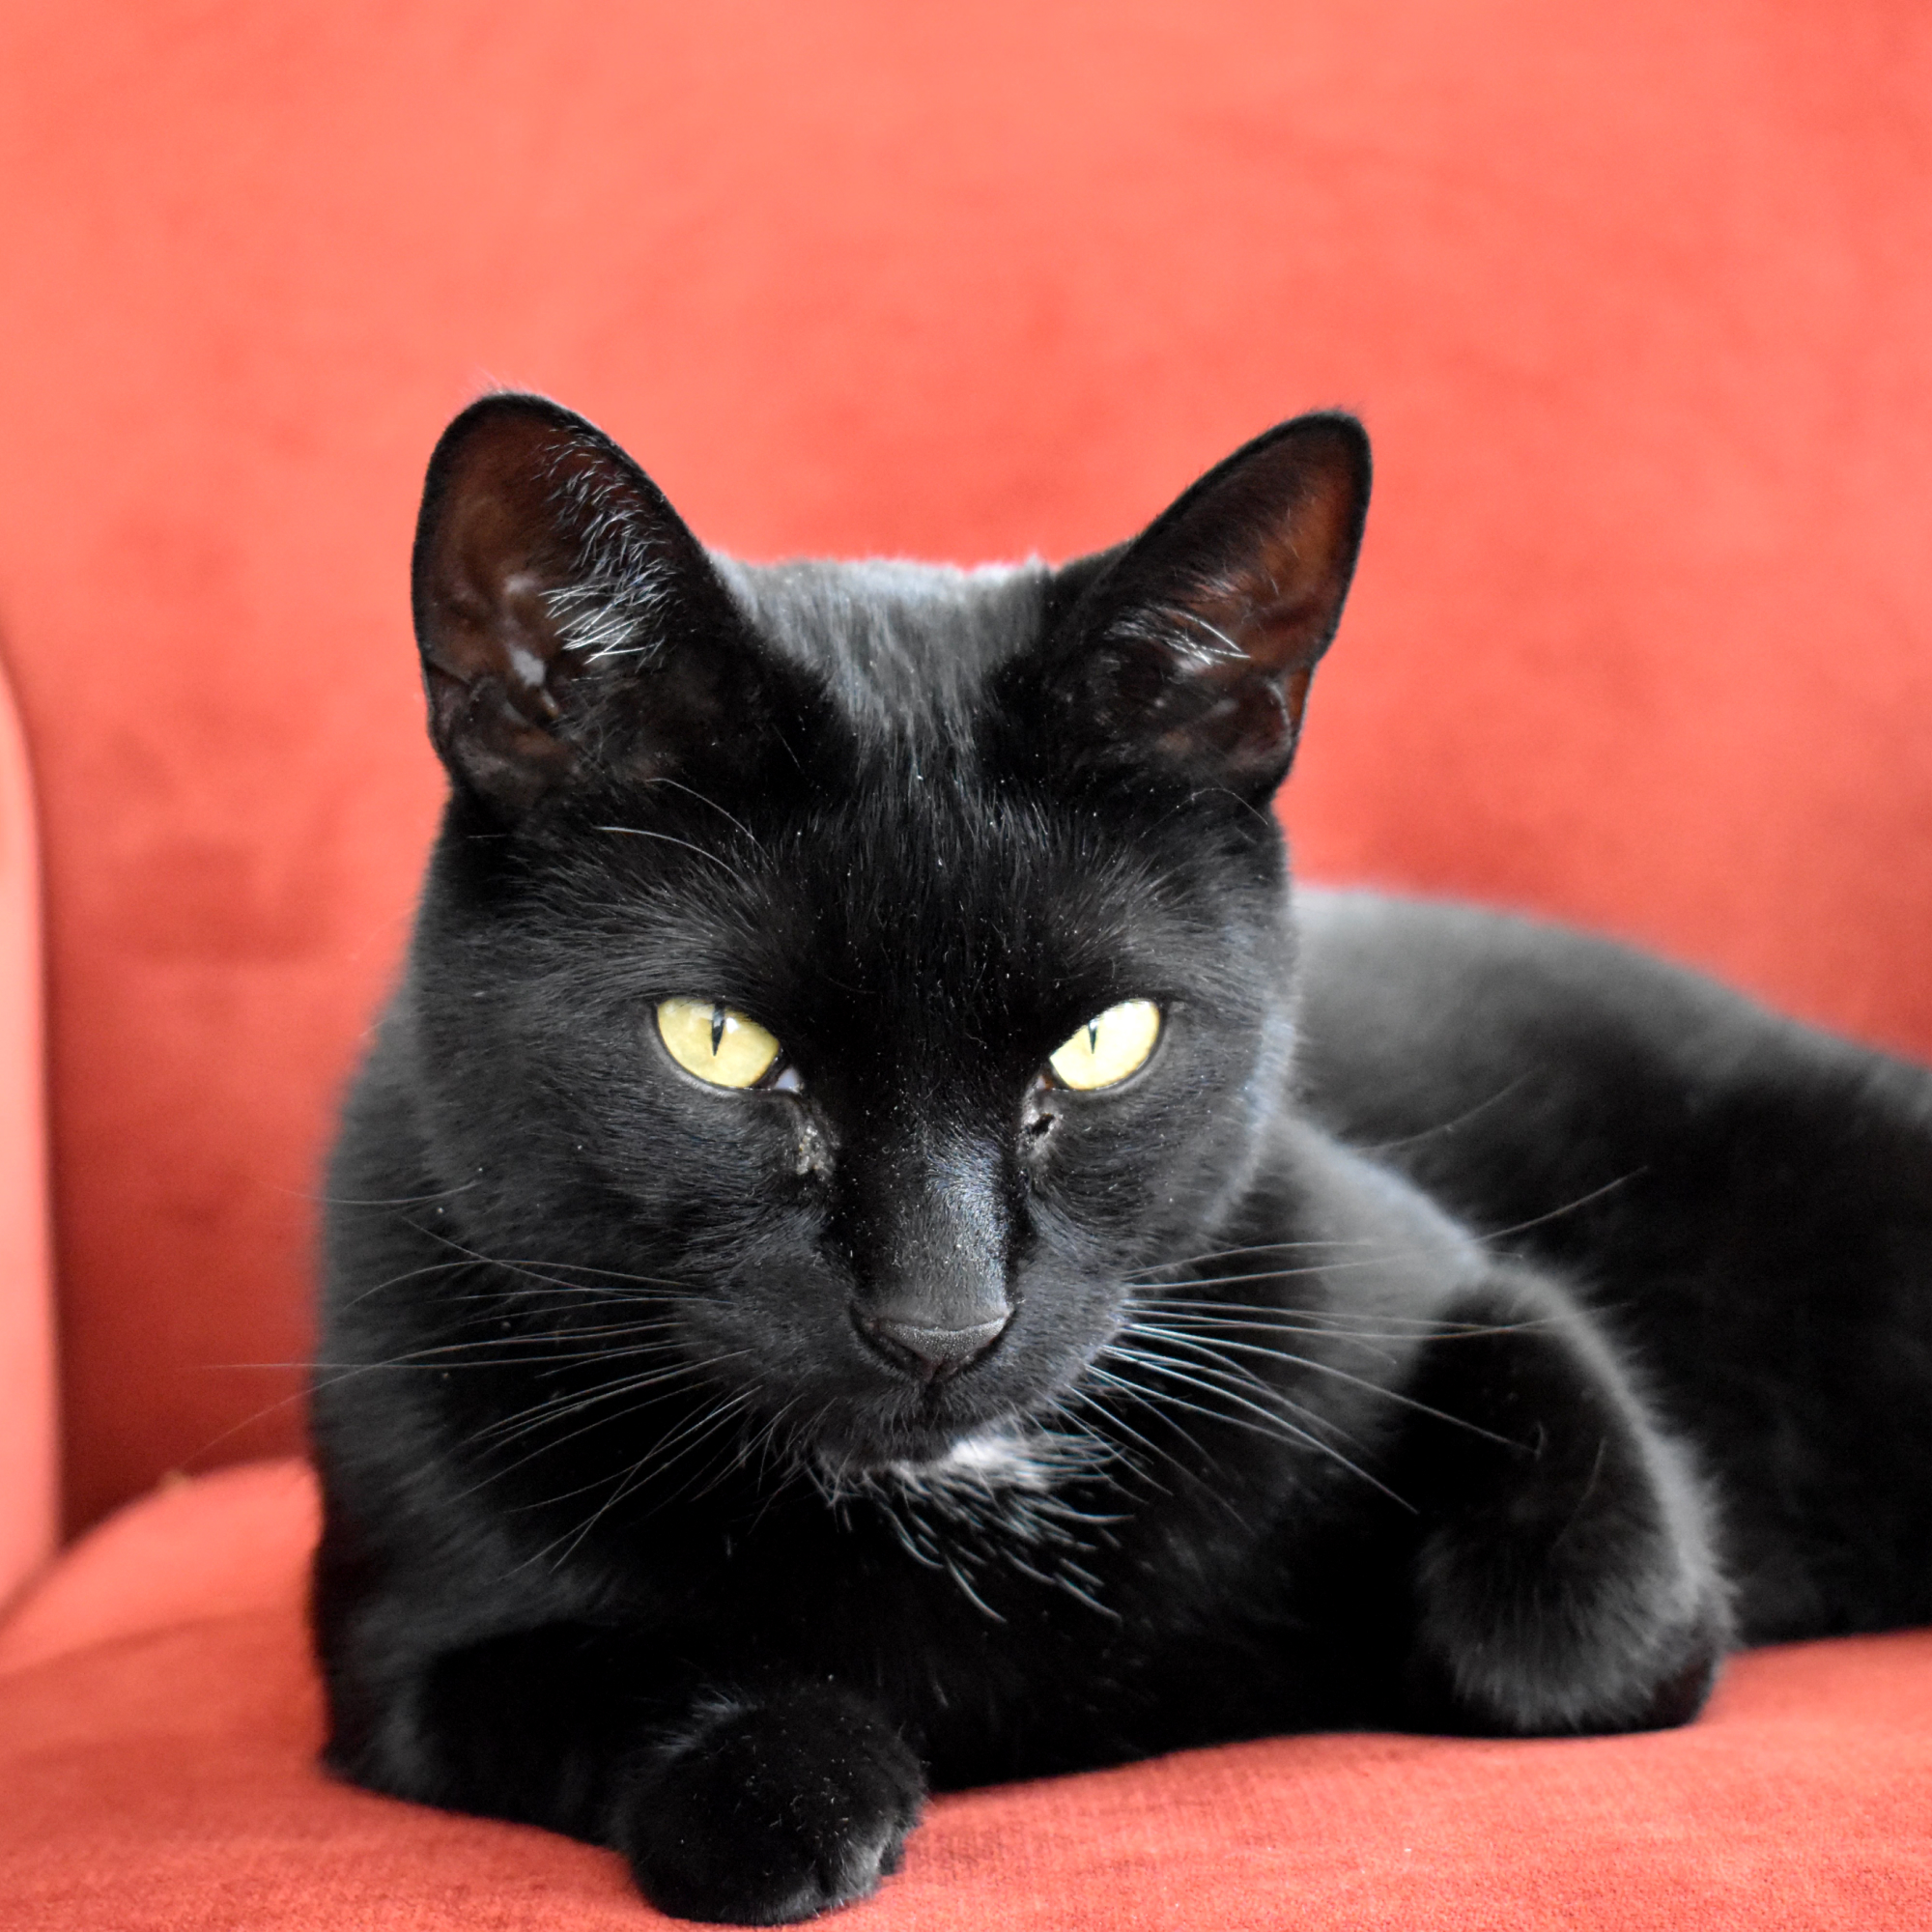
[1568, 1581]
[769, 1810]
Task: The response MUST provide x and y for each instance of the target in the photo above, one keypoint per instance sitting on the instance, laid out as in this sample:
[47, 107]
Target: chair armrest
[29, 1455]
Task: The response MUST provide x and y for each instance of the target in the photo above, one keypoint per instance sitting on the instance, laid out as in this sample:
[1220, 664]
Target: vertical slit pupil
[1093, 1035]
[717, 1028]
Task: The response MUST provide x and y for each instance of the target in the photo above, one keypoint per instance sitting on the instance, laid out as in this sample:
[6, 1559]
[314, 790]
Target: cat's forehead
[919, 846]
[954, 912]
[901, 646]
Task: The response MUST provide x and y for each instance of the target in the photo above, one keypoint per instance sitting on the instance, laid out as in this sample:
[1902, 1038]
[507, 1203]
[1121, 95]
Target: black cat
[858, 1261]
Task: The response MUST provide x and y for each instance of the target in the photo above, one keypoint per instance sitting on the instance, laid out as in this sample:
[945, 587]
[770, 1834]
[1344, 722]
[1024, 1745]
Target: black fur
[1478, 1328]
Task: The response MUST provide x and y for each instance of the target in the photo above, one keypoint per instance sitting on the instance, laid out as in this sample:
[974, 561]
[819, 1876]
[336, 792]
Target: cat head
[874, 966]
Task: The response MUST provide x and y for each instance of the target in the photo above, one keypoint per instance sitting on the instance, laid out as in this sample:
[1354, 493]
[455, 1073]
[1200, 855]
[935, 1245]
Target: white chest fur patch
[999, 1500]
[995, 1459]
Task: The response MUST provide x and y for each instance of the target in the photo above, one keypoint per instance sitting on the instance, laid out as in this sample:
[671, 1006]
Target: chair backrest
[1636, 302]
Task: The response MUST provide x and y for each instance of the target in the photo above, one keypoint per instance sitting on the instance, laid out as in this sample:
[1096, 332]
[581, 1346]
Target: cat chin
[988, 1455]
[1011, 1457]
[1003, 1457]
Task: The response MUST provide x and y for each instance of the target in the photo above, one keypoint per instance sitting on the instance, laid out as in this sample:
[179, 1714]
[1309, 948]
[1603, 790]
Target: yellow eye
[717, 1044]
[1109, 1047]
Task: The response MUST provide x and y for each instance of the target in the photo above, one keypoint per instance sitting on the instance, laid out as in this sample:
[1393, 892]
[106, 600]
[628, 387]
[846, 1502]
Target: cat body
[1743, 1202]
[1471, 1326]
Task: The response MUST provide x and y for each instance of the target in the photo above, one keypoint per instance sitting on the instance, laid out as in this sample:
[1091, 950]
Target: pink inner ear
[493, 549]
[573, 630]
[1258, 628]
[488, 642]
[1278, 597]
[530, 640]
[498, 628]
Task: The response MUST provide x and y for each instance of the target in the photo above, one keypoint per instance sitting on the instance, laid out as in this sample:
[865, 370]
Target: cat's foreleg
[753, 1805]
[1566, 1579]
[766, 1808]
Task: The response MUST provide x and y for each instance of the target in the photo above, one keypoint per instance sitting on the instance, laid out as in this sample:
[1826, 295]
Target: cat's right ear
[572, 628]
[1190, 649]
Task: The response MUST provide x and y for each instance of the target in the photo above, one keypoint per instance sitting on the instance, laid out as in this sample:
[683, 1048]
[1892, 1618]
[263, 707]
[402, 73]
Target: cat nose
[934, 1354]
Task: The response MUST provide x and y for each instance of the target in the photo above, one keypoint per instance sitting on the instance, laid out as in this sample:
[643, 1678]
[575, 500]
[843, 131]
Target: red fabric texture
[159, 1722]
[1636, 299]
[1638, 304]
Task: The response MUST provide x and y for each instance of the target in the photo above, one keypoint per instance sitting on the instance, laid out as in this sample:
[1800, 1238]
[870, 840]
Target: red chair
[1638, 307]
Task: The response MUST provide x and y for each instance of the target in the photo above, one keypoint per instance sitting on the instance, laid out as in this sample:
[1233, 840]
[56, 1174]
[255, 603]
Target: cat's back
[1746, 1199]
[1455, 1024]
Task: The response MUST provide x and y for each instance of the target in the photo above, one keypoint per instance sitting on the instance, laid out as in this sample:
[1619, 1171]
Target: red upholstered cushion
[158, 1720]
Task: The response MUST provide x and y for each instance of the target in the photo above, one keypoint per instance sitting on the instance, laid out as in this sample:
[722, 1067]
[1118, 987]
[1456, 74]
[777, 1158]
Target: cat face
[873, 966]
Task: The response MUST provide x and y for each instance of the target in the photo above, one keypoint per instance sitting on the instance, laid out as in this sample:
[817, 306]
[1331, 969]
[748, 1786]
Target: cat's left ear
[1191, 648]
[573, 631]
